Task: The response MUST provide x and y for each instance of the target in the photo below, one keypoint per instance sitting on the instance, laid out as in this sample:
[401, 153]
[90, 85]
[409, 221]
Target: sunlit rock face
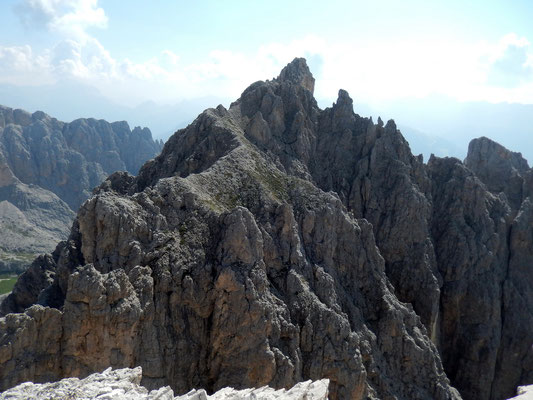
[48, 168]
[274, 243]
[69, 159]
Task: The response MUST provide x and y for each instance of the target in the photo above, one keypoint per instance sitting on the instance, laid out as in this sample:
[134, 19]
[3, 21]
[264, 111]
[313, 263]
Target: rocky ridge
[48, 168]
[275, 242]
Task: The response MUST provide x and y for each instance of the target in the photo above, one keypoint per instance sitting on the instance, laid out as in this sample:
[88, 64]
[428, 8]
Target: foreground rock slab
[124, 384]
[524, 393]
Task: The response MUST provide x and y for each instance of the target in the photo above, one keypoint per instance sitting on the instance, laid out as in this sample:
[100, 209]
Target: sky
[165, 51]
[138, 51]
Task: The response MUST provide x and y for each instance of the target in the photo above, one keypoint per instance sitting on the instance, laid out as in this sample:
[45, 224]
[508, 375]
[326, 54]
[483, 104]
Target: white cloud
[66, 59]
[511, 63]
[170, 57]
[16, 58]
[385, 70]
[98, 60]
[19, 65]
[500, 71]
[69, 17]
[78, 55]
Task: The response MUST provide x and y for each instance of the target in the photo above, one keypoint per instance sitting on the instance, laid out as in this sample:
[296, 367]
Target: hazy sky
[138, 50]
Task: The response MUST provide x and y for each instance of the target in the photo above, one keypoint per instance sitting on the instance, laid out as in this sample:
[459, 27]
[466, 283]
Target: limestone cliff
[276, 242]
[69, 159]
[48, 168]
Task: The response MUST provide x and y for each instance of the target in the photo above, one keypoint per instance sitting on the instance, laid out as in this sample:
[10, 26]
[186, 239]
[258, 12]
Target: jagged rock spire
[298, 72]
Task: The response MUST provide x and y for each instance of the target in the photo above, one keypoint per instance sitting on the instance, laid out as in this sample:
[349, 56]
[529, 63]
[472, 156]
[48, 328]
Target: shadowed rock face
[470, 228]
[507, 175]
[275, 242]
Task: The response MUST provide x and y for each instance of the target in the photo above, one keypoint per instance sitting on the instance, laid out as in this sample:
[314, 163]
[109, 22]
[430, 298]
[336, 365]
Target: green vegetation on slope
[6, 283]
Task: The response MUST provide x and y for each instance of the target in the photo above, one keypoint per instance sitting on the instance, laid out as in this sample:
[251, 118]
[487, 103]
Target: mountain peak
[298, 72]
[485, 148]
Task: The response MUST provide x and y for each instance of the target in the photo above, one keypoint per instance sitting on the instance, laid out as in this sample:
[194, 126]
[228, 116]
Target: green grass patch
[7, 283]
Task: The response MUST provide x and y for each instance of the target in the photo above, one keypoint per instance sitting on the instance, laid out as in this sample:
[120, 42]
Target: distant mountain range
[445, 126]
[48, 168]
[436, 124]
[70, 100]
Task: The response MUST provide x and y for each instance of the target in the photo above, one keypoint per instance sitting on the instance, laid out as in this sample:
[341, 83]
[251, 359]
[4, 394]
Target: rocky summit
[48, 168]
[273, 243]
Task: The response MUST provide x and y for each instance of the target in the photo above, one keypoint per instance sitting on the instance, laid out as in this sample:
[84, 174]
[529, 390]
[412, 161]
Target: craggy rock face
[69, 159]
[501, 170]
[275, 242]
[48, 168]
